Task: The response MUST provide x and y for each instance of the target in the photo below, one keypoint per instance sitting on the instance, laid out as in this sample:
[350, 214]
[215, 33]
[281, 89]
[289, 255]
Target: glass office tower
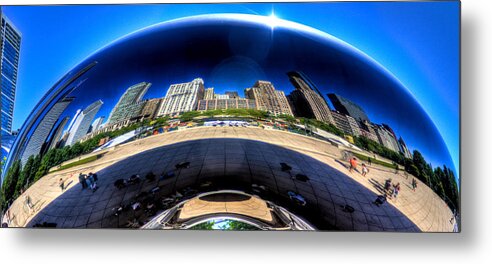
[10, 41]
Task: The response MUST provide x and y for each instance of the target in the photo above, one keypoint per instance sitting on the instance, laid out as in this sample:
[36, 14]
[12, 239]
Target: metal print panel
[270, 116]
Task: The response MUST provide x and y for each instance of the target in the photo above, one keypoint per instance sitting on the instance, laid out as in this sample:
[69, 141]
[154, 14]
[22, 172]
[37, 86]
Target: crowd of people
[391, 190]
[87, 181]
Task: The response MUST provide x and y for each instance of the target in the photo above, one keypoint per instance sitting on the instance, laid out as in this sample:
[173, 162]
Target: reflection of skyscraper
[268, 99]
[182, 97]
[77, 113]
[10, 41]
[209, 94]
[307, 100]
[44, 128]
[96, 124]
[232, 94]
[55, 138]
[130, 103]
[150, 108]
[387, 139]
[218, 104]
[367, 131]
[346, 123]
[221, 96]
[404, 149]
[348, 107]
[82, 123]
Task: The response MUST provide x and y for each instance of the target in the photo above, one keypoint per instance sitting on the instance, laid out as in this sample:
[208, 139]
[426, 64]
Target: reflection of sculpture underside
[231, 205]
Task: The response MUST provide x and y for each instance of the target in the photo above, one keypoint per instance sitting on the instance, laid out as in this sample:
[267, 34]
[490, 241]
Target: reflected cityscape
[112, 146]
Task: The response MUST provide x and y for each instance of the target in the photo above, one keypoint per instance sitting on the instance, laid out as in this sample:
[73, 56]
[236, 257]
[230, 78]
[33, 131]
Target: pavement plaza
[232, 157]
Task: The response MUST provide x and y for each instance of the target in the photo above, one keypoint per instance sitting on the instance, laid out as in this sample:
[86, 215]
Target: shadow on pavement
[219, 164]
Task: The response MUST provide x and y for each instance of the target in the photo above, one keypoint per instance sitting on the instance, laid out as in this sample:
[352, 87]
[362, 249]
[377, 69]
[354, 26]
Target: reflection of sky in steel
[230, 53]
[222, 82]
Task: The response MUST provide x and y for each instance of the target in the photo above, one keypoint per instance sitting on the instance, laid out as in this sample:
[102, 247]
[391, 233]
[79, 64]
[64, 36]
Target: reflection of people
[8, 218]
[369, 161]
[62, 184]
[82, 181]
[94, 176]
[353, 164]
[414, 184]
[91, 182]
[396, 190]
[387, 186]
[365, 170]
[29, 203]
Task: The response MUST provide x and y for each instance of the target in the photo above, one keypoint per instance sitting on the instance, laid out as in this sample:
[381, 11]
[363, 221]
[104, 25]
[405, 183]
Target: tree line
[20, 176]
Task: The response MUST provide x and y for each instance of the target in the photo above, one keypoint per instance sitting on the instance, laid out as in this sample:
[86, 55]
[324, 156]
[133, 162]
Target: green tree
[9, 184]
[412, 169]
[240, 226]
[188, 116]
[204, 226]
[24, 176]
[288, 118]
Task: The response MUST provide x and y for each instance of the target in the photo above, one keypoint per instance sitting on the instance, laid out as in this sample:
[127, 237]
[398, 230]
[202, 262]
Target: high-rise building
[57, 134]
[182, 97]
[70, 125]
[82, 123]
[209, 94]
[8, 141]
[10, 41]
[232, 94]
[346, 123]
[367, 131]
[96, 124]
[150, 108]
[43, 130]
[269, 99]
[216, 104]
[386, 138]
[130, 103]
[307, 99]
[348, 107]
[221, 96]
[404, 149]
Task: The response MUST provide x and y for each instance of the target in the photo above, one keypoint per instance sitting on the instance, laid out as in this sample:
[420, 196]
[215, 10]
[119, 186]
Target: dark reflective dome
[126, 138]
[230, 53]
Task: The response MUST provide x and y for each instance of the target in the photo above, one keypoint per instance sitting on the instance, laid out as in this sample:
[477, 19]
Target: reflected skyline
[386, 49]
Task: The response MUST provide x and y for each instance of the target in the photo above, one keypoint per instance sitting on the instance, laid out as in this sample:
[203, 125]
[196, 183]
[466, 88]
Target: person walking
[61, 183]
[94, 176]
[8, 218]
[353, 164]
[414, 184]
[91, 182]
[365, 170]
[82, 181]
[396, 190]
[387, 187]
[29, 204]
[369, 160]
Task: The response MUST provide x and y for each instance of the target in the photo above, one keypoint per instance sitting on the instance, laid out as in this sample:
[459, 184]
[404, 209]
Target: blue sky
[416, 41]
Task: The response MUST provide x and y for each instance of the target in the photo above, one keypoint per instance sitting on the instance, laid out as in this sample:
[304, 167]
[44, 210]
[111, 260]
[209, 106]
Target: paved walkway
[246, 155]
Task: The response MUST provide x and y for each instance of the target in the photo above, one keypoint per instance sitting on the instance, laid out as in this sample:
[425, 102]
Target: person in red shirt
[353, 164]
